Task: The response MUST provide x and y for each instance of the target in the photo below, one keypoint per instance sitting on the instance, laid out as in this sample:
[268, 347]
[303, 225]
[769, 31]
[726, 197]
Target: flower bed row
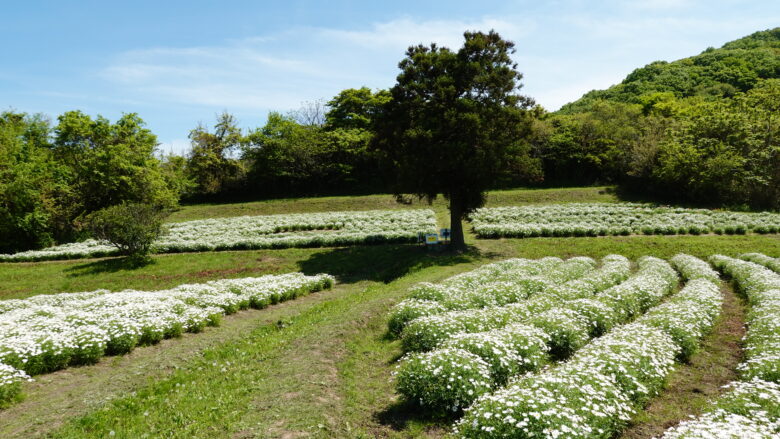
[496, 284]
[49, 332]
[599, 219]
[751, 408]
[596, 392]
[768, 262]
[325, 229]
[468, 365]
[427, 332]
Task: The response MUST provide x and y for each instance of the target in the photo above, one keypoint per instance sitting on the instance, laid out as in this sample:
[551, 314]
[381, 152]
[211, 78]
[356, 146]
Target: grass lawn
[318, 366]
[510, 197]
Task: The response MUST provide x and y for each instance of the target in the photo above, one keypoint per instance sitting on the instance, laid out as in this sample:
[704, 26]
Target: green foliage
[32, 184]
[738, 66]
[286, 157]
[592, 146]
[110, 163]
[132, 228]
[209, 163]
[700, 130]
[50, 179]
[176, 174]
[355, 108]
[726, 152]
[455, 124]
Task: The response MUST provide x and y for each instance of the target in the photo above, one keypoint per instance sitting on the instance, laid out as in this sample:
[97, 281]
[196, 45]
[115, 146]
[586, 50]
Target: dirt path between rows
[692, 385]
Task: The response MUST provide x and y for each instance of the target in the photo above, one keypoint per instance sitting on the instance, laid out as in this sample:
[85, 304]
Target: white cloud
[401, 33]
[317, 62]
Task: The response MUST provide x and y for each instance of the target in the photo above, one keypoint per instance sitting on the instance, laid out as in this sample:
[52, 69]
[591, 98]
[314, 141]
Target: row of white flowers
[427, 332]
[762, 342]
[597, 391]
[691, 268]
[468, 365]
[751, 408]
[767, 261]
[49, 332]
[495, 284]
[599, 219]
[323, 229]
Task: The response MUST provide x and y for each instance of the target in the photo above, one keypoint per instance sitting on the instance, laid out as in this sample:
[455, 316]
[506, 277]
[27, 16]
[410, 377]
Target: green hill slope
[715, 73]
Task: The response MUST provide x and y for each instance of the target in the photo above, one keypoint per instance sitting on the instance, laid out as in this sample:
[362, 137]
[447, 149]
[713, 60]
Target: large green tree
[456, 123]
[110, 163]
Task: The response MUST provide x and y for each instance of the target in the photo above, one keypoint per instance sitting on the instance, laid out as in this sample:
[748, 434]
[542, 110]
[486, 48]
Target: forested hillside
[736, 67]
[702, 129]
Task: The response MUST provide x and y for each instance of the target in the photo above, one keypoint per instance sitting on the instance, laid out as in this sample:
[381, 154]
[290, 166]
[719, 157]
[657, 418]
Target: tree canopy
[455, 123]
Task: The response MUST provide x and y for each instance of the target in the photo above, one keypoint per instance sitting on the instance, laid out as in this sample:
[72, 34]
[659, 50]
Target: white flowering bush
[723, 425]
[497, 284]
[558, 404]
[637, 357]
[324, 229]
[654, 280]
[691, 267]
[426, 332]
[762, 259]
[445, 380]
[49, 332]
[555, 326]
[599, 219]
[509, 351]
[567, 330]
[688, 316]
[595, 393]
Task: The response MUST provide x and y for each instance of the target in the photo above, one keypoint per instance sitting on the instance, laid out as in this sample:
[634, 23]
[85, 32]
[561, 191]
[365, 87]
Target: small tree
[131, 228]
[455, 123]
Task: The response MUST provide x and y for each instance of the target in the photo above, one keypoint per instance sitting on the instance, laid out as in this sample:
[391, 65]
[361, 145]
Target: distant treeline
[702, 130]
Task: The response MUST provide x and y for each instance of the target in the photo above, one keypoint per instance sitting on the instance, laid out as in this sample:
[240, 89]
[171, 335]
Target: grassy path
[692, 385]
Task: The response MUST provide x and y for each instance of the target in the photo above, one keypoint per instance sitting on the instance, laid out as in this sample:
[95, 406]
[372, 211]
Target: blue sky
[177, 63]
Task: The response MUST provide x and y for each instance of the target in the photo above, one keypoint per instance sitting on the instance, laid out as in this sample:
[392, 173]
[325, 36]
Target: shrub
[443, 380]
[131, 228]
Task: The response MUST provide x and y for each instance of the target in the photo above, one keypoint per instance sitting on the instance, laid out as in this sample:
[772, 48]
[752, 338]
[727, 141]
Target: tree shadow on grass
[399, 415]
[379, 263]
[110, 265]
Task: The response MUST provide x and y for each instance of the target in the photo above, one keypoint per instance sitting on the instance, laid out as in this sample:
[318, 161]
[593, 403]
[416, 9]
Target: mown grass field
[318, 366]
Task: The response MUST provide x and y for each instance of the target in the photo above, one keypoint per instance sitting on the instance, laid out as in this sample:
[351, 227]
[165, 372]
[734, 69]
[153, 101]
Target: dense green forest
[702, 130]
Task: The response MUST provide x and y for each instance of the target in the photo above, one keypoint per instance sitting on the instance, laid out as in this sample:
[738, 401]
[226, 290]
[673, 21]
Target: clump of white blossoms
[595, 392]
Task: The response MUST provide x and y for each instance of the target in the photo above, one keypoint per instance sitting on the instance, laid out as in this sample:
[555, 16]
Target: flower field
[601, 219]
[579, 355]
[49, 332]
[751, 408]
[326, 229]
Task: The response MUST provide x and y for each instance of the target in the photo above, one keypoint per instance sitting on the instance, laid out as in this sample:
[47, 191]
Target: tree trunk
[457, 242]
